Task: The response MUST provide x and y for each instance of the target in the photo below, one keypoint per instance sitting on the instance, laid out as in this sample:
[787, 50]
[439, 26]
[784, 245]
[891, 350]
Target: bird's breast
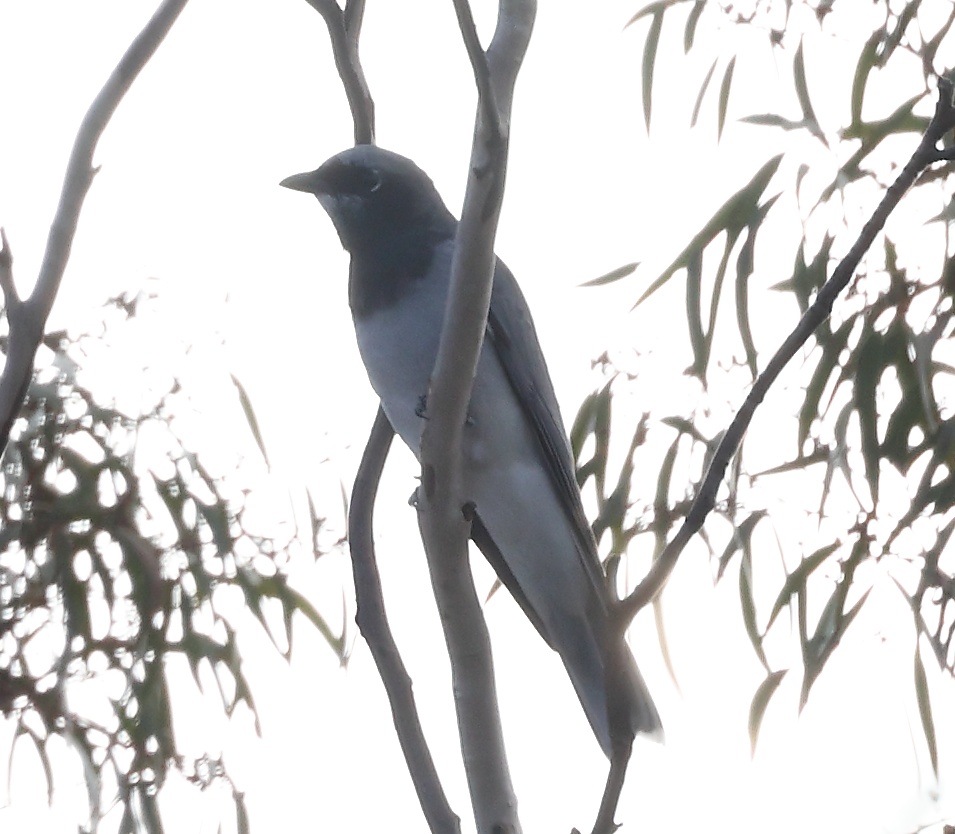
[398, 345]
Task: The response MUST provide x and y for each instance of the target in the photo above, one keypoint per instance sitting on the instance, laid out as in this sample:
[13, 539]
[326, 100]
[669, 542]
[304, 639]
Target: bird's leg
[421, 409]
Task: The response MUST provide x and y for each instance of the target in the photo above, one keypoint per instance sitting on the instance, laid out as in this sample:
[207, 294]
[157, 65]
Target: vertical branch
[27, 318]
[373, 623]
[344, 28]
[444, 527]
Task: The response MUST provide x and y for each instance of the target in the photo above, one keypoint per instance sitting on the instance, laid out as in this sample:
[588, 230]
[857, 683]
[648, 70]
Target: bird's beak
[310, 183]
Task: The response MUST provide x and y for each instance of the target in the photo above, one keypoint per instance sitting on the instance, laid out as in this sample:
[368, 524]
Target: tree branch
[479, 64]
[373, 623]
[927, 153]
[444, 527]
[354, 12]
[604, 823]
[27, 319]
[344, 28]
[10, 296]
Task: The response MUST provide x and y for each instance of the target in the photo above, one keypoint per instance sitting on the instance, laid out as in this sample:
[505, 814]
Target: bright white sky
[244, 93]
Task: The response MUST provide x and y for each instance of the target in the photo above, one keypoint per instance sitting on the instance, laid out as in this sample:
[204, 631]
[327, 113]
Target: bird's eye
[365, 181]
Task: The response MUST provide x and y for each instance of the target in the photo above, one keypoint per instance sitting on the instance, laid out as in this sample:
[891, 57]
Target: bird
[518, 470]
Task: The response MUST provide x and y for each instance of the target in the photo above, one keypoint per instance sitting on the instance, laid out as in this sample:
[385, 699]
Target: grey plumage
[518, 466]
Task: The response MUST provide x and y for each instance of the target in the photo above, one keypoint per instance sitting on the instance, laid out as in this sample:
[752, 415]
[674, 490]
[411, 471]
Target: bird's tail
[611, 690]
[630, 708]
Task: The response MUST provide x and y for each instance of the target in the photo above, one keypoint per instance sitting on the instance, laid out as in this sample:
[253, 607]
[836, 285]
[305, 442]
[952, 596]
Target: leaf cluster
[119, 552]
[873, 431]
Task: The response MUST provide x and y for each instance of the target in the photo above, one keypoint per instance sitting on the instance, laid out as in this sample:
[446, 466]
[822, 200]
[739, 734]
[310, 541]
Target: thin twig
[604, 823]
[926, 154]
[27, 320]
[344, 28]
[354, 12]
[479, 64]
[10, 296]
[373, 623]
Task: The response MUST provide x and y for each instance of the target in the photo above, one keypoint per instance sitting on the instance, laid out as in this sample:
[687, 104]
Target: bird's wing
[482, 538]
[510, 330]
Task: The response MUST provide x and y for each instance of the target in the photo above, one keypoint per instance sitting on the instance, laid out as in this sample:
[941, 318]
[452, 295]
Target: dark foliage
[120, 551]
[874, 421]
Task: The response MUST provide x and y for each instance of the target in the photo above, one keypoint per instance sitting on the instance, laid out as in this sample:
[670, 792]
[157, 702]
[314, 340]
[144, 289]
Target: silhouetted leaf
[802, 93]
[893, 38]
[613, 507]
[127, 824]
[925, 709]
[316, 523]
[150, 809]
[661, 502]
[747, 602]
[827, 363]
[864, 66]
[242, 814]
[761, 699]
[649, 61]
[684, 426]
[216, 516]
[694, 313]
[42, 754]
[656, 8]
[773, 120]
[689, 32]
[869, 368]
[818, 455]
[800, 175]
[612, 276]
[946, 215]
[796, 581]
[581, 428]
[250, 417]
[724, 97]
[930, 47]
[807, 279]
[931, 490]
[872, 135]
[740, 540]
[744, 269]
[734, 215]
[593, 419]
[832, 626]
[293, 602]
[699, 96]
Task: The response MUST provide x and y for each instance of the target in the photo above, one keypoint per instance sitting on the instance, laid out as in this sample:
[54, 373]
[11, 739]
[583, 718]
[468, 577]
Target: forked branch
[344, 29]
[27, 318]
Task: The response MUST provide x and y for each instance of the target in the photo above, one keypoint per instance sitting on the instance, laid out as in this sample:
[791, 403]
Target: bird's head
[374, 196]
